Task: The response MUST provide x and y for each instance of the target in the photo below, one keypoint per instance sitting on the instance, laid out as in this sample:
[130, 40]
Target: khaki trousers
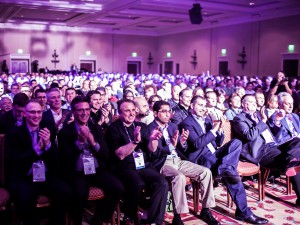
[178, 170]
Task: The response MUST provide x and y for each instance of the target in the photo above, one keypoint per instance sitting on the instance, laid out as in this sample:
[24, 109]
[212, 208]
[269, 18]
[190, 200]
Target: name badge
[38, 171]
[88, 164]
[139, 160]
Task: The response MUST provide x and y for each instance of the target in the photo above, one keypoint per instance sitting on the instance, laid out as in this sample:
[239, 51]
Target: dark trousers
[226, 159]
[291, 149]
[111, 186]
[25, 194]
[135, 181]
[274, 158]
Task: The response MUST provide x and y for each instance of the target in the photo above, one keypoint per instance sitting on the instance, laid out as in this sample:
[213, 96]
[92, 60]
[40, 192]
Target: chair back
[227, 132]
[2, 137]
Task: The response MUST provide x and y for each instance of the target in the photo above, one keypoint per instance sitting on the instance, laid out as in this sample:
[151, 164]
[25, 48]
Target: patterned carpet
[277, 207]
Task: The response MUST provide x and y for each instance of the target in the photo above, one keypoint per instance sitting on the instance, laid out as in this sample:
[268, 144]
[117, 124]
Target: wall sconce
[134, 54]
[20, 51]
[88, 53]
[223, 51]
[169, 54]
[291, 48]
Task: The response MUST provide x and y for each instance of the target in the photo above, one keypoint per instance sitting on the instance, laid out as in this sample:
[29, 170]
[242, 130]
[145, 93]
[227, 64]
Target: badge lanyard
[137, 155]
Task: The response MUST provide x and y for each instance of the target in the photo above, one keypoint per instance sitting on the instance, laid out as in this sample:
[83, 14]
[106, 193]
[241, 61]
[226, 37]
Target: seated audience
[181, 111]
[169, 160]
[259, 145]
[130, 144]
[235, 106]
[33, 168]
[14, 117]
[84, 154]
[143, 112]
[5, 104]
[272, 105]
[204, 141]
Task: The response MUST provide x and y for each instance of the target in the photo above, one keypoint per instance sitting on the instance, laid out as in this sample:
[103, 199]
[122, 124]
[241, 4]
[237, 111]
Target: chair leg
[288, 186]
[265, 174]
[261, 189]
[196, 194]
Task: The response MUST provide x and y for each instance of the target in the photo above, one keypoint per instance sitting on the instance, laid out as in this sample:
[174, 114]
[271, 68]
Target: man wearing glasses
[170, 161]
[130, 144]
[33, 168]
[83, 154]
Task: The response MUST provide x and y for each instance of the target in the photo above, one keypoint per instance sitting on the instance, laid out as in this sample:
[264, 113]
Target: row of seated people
[138, 154]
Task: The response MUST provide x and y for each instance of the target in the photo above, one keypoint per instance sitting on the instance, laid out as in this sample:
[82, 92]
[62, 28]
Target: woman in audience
[152, 100]
[221, 97]
[128, 94]
[235, 106]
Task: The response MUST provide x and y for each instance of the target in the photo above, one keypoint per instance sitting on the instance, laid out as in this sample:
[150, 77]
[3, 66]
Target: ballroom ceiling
[138, 17]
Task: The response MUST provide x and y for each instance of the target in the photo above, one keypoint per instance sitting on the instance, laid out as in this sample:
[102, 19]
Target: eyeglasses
[83, 110]
[34, 111]
[165, 111]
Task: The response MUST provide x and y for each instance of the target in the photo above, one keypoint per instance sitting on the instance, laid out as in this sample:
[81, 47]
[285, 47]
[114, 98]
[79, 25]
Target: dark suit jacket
[158, 157]
[69, 152]
[21, 155]
[284, 133]
[249, 133]
[7, 122]
[48, 121]
[197, 150]
[180, 113]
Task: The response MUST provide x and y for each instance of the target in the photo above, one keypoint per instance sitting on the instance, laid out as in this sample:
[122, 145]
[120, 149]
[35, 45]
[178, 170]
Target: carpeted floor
[277, 207]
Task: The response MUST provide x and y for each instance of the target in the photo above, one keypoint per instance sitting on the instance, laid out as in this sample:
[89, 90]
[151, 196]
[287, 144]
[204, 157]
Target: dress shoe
[230, 178]
[292, 168]
[207, 217]
[255, 220]
[177, 221]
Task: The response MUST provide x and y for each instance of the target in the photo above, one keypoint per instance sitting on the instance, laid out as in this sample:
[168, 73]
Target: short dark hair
[183, 90]
[39, 91]
[196, 97]
[157, 105]
[122, 101]
[78, 99]
[90, 93]
[20, 99]
[246, 96]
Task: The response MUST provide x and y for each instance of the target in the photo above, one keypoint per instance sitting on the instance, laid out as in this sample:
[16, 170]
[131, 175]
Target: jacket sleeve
[194, 140]
[247, 133]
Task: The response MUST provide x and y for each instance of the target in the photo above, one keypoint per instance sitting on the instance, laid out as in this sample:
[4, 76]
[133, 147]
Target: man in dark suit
[33, 169]
[203, 142]
[259, 145]
[83, 154]
[169, 160]
[181, 111]
[55, 116]
[14, 117]
[130, 144]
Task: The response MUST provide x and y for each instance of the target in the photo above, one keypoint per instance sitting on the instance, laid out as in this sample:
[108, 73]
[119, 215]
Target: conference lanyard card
[139, 159]
[38, 171]
[88, 164]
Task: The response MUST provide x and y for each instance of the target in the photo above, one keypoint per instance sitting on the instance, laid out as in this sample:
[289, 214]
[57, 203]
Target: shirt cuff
[213, 132]
[48, 147]
[96, 147]
[37, 150]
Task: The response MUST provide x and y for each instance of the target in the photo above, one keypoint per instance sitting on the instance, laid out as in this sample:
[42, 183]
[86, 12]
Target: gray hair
[281, 95]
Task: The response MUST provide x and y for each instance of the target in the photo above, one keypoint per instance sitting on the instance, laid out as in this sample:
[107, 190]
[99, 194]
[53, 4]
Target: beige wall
[264, 43]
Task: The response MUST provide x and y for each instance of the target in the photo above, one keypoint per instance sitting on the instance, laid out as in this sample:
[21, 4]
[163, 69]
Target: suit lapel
[197, 126]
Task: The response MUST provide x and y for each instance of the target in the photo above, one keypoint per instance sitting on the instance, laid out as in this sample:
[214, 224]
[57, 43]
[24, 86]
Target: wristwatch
[135, 142]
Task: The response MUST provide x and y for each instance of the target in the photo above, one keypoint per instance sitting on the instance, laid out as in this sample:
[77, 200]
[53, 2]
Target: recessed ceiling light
[252, 3]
